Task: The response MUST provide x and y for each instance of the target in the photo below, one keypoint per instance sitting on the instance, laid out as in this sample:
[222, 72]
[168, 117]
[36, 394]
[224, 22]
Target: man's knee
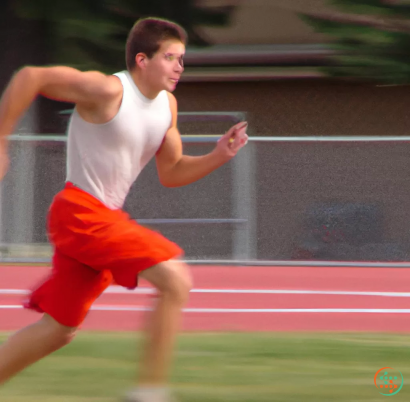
[58, 334]
[184, 282]
[171, 278]
[178, 282]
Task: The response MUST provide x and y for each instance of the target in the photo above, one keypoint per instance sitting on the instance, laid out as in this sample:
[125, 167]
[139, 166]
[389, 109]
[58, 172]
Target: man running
[120, 122]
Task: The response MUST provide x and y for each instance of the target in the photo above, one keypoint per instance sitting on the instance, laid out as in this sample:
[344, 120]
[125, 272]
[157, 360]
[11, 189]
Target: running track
[245, 299]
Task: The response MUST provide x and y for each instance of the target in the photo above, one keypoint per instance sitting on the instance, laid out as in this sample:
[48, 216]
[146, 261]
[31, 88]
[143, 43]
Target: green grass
[222, 368]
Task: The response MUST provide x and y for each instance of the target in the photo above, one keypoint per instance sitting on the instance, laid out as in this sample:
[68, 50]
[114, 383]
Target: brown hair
[147, 35]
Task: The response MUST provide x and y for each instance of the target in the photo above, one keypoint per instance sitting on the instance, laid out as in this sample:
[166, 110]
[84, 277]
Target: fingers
[238, 141]
[235, 138]
[238, 129]
[241, 126]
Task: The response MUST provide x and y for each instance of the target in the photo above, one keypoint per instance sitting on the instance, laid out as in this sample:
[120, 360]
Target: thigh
[127, 249]
[54, 325]
[70, 290]
[101, 238]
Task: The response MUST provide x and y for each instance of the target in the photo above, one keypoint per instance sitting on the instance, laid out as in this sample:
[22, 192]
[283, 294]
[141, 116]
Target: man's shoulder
[114, 84]
[173, 107]
[108, 86]
[172, 99]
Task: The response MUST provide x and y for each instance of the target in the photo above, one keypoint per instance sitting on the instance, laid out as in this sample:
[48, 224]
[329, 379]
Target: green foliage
[373, 7]
[92, 34]
[375, 49]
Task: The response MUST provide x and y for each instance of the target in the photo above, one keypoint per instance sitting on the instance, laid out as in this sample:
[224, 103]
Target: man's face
[166, 66]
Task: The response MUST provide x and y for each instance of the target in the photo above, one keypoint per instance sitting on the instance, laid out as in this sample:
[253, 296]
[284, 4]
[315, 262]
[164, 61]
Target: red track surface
[254, 278]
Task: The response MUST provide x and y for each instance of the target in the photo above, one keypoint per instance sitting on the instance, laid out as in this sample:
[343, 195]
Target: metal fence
[305, 201]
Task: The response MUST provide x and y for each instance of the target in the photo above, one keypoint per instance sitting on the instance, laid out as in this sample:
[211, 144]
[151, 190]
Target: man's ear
[140, 60]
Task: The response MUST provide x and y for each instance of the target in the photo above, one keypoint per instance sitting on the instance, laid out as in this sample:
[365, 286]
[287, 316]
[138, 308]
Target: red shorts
[94, 246]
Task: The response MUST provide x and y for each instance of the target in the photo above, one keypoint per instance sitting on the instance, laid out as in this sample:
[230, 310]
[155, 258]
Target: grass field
[222, 367]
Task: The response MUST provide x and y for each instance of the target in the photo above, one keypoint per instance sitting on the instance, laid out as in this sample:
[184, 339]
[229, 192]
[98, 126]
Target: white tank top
[105, 159]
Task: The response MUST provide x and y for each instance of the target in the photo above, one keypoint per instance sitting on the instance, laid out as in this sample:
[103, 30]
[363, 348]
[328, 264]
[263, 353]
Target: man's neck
[145, 89]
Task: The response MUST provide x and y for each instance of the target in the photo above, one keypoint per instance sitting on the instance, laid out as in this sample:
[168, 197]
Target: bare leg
[173, 281]
[31, 344]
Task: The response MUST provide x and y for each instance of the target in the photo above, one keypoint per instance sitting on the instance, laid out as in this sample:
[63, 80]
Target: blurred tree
[91, 34]
[23, 43]
[371, 39]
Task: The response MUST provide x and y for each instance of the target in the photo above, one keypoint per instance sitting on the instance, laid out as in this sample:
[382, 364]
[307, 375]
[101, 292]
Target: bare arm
[176, 169]
[87, 89]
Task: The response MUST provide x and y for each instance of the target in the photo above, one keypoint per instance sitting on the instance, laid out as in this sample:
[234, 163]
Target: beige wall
[267, 22]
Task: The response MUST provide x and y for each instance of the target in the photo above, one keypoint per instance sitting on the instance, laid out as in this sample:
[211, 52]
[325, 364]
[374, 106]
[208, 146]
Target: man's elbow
[169, 174]
[165, 183]
[172, 180]
[26, 75]
[31, 74]
[27, 71]
[169, 182]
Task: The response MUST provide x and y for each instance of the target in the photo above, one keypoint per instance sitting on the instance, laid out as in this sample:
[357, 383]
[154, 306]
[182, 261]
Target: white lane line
[120, 290]
[13, 292]
[242, 310]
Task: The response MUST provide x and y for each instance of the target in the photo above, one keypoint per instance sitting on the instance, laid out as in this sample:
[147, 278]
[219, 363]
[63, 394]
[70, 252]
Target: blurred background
[322, 83]
[306, 231]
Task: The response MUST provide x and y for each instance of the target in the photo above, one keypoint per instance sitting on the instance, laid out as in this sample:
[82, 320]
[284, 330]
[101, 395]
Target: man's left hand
[233, 140]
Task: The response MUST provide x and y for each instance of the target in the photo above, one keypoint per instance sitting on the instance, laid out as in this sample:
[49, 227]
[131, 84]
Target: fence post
[244, 204]
[23, 194]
